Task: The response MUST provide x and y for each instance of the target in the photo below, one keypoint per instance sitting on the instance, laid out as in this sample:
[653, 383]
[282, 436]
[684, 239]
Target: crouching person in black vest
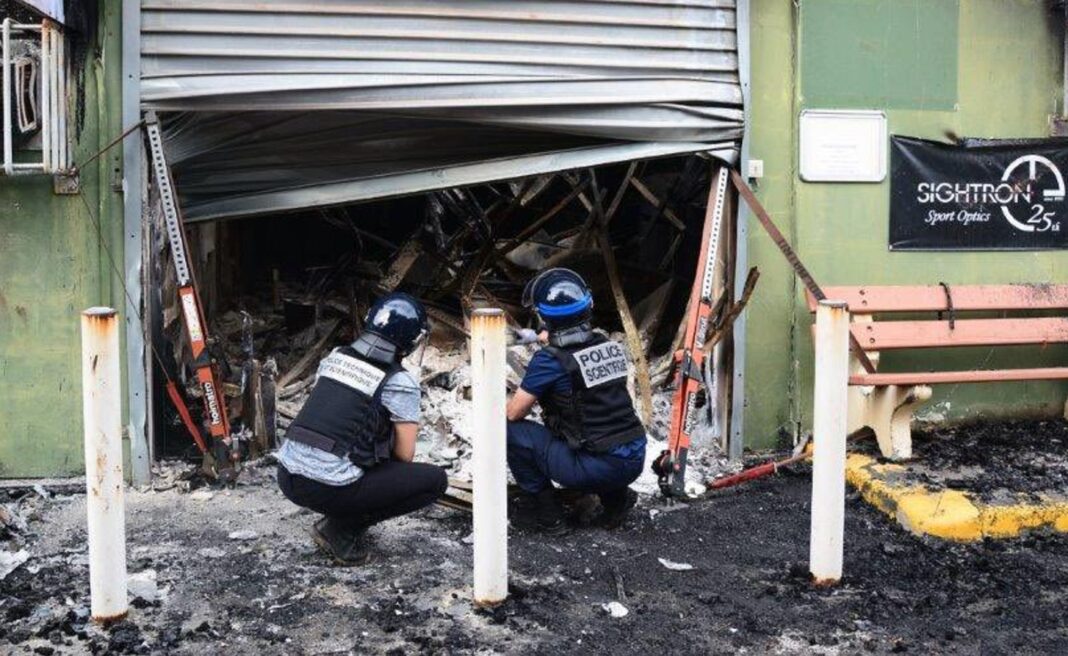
[591, 439]
[348, 454]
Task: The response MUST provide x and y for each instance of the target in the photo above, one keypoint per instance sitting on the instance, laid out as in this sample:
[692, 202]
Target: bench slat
[937, 377]
[890, 335]
[867, 299]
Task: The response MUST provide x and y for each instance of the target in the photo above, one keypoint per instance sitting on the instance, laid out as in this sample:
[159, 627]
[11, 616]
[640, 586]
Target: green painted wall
[883, 53]
[52, 266]
[1008, 58]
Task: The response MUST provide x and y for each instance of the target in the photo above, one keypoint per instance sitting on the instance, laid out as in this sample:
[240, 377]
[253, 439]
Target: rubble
[673, 566]
[243, 535]
[633, 232]
[10, 561]
[10, 521]
[623, 227]
[143, 586]
[615, 609]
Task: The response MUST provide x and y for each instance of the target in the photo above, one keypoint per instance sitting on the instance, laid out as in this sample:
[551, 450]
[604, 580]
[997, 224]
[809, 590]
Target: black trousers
[390, 489]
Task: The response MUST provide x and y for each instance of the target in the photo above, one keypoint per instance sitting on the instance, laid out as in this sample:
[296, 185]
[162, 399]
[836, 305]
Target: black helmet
[560, 297]
[399, 319]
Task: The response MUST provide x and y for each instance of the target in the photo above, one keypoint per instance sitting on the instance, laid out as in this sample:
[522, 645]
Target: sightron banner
[988, 196]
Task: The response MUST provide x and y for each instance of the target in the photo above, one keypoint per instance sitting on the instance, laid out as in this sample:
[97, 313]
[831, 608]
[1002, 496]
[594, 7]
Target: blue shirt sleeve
[545, 373]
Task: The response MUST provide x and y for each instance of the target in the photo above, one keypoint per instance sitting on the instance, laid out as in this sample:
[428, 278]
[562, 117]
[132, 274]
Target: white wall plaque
[843, 145]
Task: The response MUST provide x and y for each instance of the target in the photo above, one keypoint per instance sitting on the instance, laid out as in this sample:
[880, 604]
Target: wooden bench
[885, 402]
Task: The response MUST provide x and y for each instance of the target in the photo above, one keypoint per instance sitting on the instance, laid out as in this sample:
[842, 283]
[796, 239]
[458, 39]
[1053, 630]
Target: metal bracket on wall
[66, 183]
[1058, 126]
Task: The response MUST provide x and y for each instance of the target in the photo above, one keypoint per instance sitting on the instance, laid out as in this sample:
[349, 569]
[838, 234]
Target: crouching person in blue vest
[348, 454]
[591, 440]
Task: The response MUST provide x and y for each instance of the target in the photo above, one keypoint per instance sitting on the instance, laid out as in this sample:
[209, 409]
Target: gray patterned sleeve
[401, 396]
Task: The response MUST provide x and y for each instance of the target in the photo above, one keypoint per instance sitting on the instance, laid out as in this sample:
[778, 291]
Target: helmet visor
[531, 287]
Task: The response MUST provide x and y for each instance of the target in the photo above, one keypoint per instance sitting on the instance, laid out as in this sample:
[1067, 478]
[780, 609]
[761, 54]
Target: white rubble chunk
[448, 453]
[694, 489]
[675, 567]
[12, 519]
[142, 585]
[615, 609]
[10, 561]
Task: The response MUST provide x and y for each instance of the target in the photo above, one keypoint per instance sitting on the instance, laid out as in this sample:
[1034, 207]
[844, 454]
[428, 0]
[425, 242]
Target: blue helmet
[399, 319]
[560, 297]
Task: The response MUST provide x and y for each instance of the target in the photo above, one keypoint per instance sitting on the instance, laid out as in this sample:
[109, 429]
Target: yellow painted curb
[948, 514]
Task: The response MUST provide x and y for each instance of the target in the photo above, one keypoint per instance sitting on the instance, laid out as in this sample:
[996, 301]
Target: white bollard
[829, 434]
[490, 479]
[105, 487]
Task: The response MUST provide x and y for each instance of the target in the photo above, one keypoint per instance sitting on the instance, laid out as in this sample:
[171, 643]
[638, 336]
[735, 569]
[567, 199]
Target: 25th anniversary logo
[1030, 196]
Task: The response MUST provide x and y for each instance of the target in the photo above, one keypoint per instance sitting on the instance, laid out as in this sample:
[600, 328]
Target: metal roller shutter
[419, 94]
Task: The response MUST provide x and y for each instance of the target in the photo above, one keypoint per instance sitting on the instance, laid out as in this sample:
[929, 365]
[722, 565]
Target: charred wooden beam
[447, 320]
[634, 342]
[620, 192]
[311, 356]
[648, 195]
[486, 252]
[402, 264]
[537, 224]
[727, 316]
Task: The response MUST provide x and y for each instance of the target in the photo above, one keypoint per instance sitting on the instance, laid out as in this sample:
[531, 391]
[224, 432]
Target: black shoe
[549, 513]
[523, 511]
[344, 544]
[617, 505]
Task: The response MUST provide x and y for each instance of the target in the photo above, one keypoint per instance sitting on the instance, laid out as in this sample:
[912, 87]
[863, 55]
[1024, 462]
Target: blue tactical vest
[597, 414]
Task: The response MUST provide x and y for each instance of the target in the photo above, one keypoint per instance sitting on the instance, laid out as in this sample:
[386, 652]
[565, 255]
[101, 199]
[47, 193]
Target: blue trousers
[536, 458]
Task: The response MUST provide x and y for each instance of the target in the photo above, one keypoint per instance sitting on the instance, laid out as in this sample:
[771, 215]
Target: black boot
[523, 513]
[343, 543]
[617, 505]
[550, 514]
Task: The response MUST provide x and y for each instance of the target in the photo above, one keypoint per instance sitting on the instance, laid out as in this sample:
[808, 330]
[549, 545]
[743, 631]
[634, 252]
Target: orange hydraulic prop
[670, 466]
[187, 420]
[224, 455]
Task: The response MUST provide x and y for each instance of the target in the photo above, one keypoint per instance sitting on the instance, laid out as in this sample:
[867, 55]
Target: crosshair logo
[1028, 174]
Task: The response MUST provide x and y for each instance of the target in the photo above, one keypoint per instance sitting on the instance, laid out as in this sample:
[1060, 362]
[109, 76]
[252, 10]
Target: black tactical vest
[598, 414]
[344, 414]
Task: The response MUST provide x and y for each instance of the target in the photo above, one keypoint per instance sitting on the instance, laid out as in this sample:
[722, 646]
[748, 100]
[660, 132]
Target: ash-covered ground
[1006, 462]
[236, 573]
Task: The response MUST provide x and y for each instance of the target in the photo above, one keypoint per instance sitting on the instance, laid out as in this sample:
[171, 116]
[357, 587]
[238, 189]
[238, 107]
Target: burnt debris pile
[280, 291]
